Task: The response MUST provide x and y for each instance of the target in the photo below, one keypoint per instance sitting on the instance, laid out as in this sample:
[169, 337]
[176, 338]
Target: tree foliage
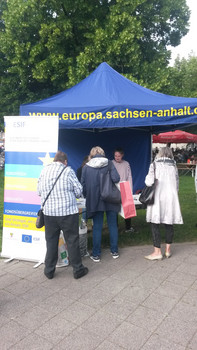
[183, 77]
[47, 46]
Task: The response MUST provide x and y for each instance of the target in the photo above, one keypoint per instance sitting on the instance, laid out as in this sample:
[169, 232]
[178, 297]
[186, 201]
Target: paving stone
[127, 273]
[9, 266]
[161, 269]
[129, 336]
[160, 303]
[79, 339]
[37, 276]
[22, 270]
[5, 297]
[192, 345]
[77, 313]
[55, 329]
[37, 294]
[194, 285]
[182, 279]
[96, 298]
[120, 306]
[187, 268]
[104, 268]
[146, 318]
[112, 285]
[155, 342]
[109, 346]
[170, 289]
[20, 287]
[33, 318]
[185, 312]
[15, 307]
[127, 303]
[75, 291]
[56, 303]
[102, 323]
[134, 293]
[192, 260]
[33, 342]
[11, 333]
[149, 283]
[3, 318]
[177, 330]
[190, 297]
[7, 279]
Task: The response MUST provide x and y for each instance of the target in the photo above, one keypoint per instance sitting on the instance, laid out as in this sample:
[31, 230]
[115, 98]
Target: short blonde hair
[165, 152]
[96, 150]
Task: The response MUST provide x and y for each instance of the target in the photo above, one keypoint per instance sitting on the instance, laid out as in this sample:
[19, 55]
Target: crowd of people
[61, 211]
[181, 155]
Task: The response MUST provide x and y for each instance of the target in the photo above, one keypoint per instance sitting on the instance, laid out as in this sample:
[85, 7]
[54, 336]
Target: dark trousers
[127, 223]
[169, 231]
[69, 224]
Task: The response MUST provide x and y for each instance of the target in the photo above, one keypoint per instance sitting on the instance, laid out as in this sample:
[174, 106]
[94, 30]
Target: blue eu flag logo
[27, 238]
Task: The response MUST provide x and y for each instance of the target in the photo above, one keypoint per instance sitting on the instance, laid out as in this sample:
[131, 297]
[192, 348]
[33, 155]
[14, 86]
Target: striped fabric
[62, 200]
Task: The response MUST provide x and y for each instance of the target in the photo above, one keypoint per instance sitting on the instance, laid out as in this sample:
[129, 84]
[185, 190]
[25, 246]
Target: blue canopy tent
[108, 110]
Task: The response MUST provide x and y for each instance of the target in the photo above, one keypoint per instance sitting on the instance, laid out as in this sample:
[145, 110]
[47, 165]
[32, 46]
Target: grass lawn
[142, 234]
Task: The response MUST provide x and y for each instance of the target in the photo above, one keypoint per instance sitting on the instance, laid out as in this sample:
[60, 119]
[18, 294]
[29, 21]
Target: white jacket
[166, 207]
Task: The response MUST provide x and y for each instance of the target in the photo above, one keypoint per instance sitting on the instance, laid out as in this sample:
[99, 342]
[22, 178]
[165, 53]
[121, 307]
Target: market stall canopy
[106, 99]
[177, 136]
[109, 110]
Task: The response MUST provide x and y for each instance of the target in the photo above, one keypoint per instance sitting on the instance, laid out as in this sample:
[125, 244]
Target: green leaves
[47, 46]
[183, 77]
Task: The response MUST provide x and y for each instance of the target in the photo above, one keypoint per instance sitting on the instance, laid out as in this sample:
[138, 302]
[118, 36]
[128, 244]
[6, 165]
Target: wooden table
[185, 168]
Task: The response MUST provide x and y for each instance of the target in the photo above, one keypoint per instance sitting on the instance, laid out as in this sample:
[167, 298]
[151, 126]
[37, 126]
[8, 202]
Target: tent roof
[177, 136]
[106, 99]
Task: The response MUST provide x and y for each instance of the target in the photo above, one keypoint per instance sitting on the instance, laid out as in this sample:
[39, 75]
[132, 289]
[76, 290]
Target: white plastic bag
[63, 259]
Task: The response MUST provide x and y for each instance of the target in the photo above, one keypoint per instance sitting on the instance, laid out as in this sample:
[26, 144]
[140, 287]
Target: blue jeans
[97, 231]
[84, 214]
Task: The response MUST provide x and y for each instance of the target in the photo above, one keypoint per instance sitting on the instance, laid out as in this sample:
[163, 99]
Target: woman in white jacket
[166, 207]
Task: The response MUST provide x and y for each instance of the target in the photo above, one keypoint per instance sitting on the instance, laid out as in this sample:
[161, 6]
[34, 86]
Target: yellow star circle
[46, 160]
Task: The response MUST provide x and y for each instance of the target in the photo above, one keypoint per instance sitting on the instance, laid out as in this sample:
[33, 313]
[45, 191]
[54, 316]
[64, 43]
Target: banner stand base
[14, 258]
[38, 264]
[8, 260]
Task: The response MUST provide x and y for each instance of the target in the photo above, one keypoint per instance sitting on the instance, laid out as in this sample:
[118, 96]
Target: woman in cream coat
[166, 207]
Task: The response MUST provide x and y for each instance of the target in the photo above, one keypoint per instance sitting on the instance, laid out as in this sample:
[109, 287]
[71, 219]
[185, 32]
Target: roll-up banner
[30, 144]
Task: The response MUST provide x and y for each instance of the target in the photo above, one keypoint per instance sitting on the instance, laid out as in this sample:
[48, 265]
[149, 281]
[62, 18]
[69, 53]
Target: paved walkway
[128, 303]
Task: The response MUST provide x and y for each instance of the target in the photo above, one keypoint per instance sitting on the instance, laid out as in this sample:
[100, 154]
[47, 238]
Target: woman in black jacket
[95, 206]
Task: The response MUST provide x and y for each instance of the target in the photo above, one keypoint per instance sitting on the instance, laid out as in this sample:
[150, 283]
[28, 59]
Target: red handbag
[128, 206]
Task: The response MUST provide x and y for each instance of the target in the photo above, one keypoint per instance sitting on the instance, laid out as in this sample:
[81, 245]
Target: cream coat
[166, 208]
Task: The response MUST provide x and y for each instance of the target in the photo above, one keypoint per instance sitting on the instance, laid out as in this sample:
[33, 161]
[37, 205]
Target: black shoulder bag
[147, 195]
[40, 214]
[108, 190]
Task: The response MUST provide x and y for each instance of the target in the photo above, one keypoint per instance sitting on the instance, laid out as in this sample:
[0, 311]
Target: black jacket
[90, 181]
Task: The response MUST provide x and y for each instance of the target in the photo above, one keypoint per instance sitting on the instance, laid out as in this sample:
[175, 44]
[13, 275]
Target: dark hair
[60, 157]
[119, 149]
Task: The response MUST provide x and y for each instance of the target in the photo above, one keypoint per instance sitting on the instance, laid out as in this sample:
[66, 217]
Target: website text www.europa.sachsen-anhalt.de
[127, 114]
